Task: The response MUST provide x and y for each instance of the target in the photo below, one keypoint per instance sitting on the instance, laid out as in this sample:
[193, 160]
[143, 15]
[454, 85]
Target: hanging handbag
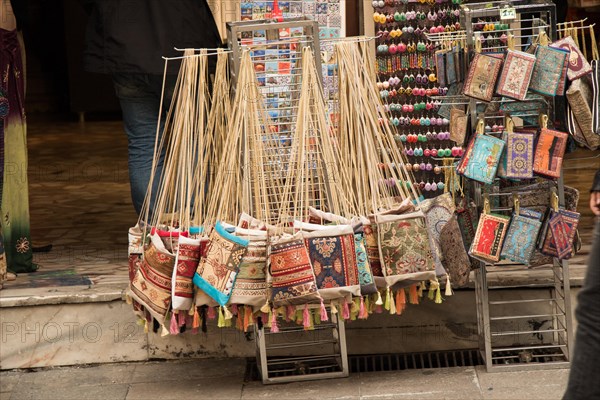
[549, 151]
[481, 158]
[490, 234]
[481, 79]
[596, 96]
[550, 67]
[454, 253]
[522, 234]
[438, 211]
[516, 73]
[558, 234]
[517, 158]
[579, 97]
[578, 66]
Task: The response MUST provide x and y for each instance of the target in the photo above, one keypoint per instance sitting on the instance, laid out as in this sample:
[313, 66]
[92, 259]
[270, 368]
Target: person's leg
[140, 106]
[583, 377]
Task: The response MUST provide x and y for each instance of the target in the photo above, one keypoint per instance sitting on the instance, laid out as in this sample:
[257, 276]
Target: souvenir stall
[283, 210]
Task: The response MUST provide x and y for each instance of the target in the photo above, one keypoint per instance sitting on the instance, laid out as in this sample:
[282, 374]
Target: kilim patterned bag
[559, 233]
[573, 127]
[481, 158]
[333, 258]
[151, 285]
[372, 246]
[549, 153]
[440, 66]
[217, 271]
[404, 249]
[482, 77]
[491, 231]
[293, 279]
[438, 212]
[186, 262]
[517, 159]
[454, 253]
[548, 71]
[466, 216]
[519, 245]
[516, 75]
[251, 282]
[578, 66]
[579, 96]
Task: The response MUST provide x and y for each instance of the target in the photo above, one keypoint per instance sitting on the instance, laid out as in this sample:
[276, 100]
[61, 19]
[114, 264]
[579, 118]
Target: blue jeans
[139, 95]
[584, 378]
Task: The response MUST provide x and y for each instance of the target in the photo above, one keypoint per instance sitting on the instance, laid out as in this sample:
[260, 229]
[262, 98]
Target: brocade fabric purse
[454, 254]
[549, 153]
[458, 126]
[520, 242]
[548, 71]
[516, 75]
[292, 276]
[251, 281]
[578, 66]
[481, 158]
[481, 79]
[404, 248]
[579, 96]
[438, 211]
[517, 159]
[559, 233]
[489, 238]
[218, 270]
[186, 262]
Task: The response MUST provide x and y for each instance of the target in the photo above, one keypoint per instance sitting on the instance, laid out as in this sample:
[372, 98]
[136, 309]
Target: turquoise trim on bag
[196, 230]
[232, 238]
[210, 290]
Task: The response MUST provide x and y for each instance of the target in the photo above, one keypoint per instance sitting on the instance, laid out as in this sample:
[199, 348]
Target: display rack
[532, 329]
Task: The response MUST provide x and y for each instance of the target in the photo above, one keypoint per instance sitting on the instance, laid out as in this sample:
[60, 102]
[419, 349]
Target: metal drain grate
[395, 362]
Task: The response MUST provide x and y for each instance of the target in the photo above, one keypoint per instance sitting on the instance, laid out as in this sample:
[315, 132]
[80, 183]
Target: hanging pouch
[516, 73]
[517, 159]
[292, 276]
[404, 248]
[580, 100]
[521, 238]
[438, 211]
[186, 262]
[480, 161]
[559, 232]
[481, 79]
[550, 67]
[489, 237]
[217, 271]
[577, 65]
[549, 152]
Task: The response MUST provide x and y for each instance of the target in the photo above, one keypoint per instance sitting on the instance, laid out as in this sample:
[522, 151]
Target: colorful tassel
[354, 305]
[221, 320]
[323, 314]
[362, 311]
[145, 326]
[379, 301]
[234, 309]
[387, 299]
[247, 318]
[128, 300]
[400, 301]
[196, 320]
[378, 309]
[369, 305]
[333, 308]
[421, 287]
[413, 294]
[164, 331]
[239, 321]
[448, 286]
[173, 329]
[290, 313]
[265, 308]
[211, 313]
[438, 295]
[392, 304]
[346, 311]
[274, 327]
[431, 293]
[192, 310]
[227, 313]
[306, 318]
[181, 316]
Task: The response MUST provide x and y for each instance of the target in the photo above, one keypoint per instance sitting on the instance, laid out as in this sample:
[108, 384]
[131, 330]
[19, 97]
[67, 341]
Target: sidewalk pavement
[224, 379]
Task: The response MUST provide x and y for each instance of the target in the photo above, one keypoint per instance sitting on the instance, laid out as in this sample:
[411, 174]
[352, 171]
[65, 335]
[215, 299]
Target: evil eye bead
[445, 121]
[441, 185]
[422, 185]
[404, 29]
[396, 16]
[454, 152]
[429, 136]
[411, 78]
[385, 84]
[428, 167]
[411, 108]
[395, 121]
[432, 77]
[422, 166]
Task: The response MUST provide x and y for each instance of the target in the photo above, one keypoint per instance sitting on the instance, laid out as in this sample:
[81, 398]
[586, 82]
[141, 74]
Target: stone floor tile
[229, 388]
[71, 391]
[233, 368]
[8, 380]
[104, 374]
[343, 388]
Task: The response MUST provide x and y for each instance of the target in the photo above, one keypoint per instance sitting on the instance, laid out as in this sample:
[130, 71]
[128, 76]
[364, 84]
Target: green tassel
[438, 296]
[221, 320]
[387, 299]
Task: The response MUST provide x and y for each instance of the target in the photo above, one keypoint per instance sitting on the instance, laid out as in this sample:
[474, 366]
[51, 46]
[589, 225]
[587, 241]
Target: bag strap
[595, 55]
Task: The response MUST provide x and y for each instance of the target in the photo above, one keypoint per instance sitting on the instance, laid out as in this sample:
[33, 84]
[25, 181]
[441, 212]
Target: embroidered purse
[454, 253]
[440, 66]
[560, 232]
[481, 158]
[578, 66]
[489, 237]
[186, 262]
[521, 238]
[481, 79]
[404, 249]
[579, 96]
[458, 126]
[438, 212]
[217, 271]
[548, 71]
[549, 152]
[517, 159]
[292, 277]
[516, 75]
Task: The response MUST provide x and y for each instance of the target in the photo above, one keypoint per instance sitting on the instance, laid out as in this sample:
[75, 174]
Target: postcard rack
[520, 326]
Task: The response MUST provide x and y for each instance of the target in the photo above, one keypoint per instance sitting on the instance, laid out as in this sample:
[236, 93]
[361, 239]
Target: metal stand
[325, 356]
[532, 329]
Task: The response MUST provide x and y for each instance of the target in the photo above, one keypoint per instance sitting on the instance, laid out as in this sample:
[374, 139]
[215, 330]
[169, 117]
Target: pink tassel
[234, 309]
[274, 327]
[346, 311]
[289, 314]
[306, 318]
[173, 329]
[324, 316]
[211, 314]
[378, 309]
[362, 312]
[181, 317]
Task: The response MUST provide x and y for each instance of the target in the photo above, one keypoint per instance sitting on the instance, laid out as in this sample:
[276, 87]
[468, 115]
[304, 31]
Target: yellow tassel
[368, 304]
[448, 286]
[432, 288]
[145, 326]
[248, 320]
[421, 287]
[265, 308]
[128, 300]
[228, 314]
[392, 303]
[413, 294]
[141, 322]
[221, 320]
[387, 299]
[379, 301]
[164, 331]
[355, 305]
[317, 318]
[438, 296]
[333, 308]
[267, 323]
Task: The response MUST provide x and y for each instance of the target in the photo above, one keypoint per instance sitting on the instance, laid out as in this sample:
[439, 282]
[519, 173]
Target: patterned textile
[438, 212]
[458, 126]
[579, 96]
[293, 279]
[549, 153]
[548, 70]
[454, 253]
[521, 237]
[404, 248]
[516, 75]
[251, 283]
[559, 234]
[333, 258]
[365, 275]
[372, 244]
[217, 271]
[466, 216]
[578, 66]
[186, 263]
[596, 96]
[151, 285]
[440, 66]
[489, 237]
[482, 77]
[480, 161]
[517, 159]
